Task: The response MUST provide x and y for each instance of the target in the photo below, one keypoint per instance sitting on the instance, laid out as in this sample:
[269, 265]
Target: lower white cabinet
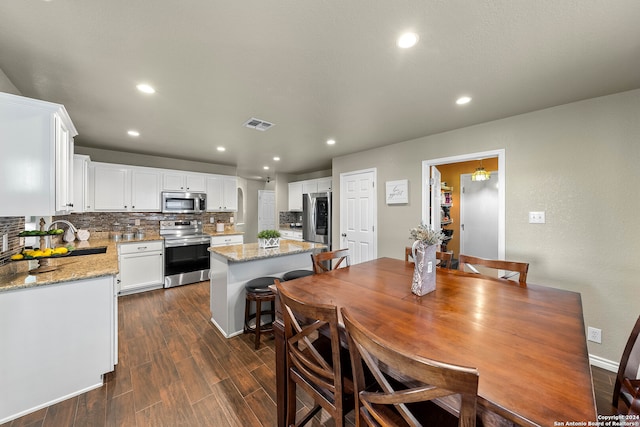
[57, 342]
[291, 235]
[226, 240]
[141, 266]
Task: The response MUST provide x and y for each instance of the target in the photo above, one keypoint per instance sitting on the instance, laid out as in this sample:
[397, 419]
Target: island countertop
[251, 251]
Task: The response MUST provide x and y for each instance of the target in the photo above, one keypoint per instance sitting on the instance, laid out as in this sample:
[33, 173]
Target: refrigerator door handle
[313, 217]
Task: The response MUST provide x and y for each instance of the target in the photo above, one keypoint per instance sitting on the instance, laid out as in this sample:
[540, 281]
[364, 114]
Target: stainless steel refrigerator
[316, 218]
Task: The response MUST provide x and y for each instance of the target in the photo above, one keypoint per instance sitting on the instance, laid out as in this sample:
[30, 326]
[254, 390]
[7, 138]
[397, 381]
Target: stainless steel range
[186, 259]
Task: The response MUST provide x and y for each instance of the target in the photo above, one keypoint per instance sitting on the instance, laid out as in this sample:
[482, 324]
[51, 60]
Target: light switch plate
[537, 217]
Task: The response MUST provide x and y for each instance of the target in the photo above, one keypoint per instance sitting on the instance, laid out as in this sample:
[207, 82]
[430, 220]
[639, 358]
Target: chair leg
[258, 322]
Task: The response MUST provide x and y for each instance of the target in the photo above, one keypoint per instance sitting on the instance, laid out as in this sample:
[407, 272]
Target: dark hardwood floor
[176, 369]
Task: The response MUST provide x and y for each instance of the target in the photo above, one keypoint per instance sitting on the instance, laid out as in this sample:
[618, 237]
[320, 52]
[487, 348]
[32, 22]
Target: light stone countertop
[15, 275]
[251, 251]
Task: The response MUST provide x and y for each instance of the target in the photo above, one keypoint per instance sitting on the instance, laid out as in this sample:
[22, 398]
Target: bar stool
[259, 292]
[296, 274]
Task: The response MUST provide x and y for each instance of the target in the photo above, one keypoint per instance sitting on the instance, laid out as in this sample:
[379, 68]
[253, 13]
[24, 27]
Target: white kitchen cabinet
[125, 188]
[295, 196]
[226, 240]
[112, 188]
[141, 266]
[222, 193]
[145, 190]
[82, 184]
[310, 186]
[291, 234]
[182, 181]
[298, 188]
[58, 341]
[36, 167]
[324, 184]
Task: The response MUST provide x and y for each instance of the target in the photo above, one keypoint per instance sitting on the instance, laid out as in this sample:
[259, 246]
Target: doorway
[479, 216]
[266, 210]
[499, 155]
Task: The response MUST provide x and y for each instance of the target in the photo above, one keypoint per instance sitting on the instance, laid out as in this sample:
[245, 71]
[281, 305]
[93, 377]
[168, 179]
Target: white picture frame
[397, 192]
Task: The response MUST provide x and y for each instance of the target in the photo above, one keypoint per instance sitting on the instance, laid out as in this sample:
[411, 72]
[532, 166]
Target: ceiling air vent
[257, 124]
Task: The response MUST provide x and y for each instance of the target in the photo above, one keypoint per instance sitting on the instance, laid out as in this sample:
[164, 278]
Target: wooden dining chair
[393, 404]
[313, 359]
[445, 257]
[322, 262]
[628, 369]
[512, 268]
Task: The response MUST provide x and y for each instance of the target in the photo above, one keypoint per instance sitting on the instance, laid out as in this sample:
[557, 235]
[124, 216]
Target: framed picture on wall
[397, 192]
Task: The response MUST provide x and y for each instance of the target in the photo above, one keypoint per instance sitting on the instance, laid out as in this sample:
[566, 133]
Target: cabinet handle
[125, 206]
[142, 248]
[133, 207]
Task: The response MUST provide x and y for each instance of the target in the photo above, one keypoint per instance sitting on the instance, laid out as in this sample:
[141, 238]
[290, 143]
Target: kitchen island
[233, 266]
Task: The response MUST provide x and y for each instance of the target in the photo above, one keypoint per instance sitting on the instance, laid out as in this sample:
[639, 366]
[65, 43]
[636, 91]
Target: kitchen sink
[88, 251]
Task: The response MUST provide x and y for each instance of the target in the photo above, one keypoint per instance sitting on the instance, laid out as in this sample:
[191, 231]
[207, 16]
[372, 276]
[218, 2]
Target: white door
[358, 215]
[434, 200]
[479, 216]
[266, 210]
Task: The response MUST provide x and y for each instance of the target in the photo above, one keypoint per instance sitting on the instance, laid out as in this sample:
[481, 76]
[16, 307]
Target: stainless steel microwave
[177, 202]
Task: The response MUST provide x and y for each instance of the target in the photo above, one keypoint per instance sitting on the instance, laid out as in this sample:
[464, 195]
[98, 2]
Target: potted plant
[427, 242]
[269, 239]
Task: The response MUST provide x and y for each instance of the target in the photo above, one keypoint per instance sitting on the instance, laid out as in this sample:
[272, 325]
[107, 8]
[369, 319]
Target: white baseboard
[51, 402]
[600, 362]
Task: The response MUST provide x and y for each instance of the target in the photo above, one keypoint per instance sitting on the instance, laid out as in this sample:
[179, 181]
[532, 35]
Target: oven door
[187, 263]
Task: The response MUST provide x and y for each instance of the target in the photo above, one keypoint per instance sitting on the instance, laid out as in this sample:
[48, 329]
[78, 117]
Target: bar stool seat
[258, 291]
[296, 274]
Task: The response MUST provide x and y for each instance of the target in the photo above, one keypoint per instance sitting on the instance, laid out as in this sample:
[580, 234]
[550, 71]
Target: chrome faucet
[71, 226]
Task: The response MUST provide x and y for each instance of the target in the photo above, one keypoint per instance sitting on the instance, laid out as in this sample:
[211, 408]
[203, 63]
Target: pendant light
[480, 174]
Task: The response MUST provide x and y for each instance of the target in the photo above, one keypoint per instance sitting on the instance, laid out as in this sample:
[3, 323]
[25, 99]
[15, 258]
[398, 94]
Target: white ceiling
[316, 69]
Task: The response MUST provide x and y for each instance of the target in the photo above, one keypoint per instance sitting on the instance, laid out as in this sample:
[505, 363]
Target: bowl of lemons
[41, 253]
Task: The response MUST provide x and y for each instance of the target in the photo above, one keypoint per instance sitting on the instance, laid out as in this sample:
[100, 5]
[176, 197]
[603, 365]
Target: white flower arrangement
[424, 234]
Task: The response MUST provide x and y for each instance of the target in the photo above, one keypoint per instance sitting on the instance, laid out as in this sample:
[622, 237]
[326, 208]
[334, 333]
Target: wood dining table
[528, 343]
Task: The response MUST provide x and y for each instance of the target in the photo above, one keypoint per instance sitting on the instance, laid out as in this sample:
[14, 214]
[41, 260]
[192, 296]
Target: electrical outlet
[211, 220]
[594, 335]
[536, 218]
[137, 221]
[5, 242]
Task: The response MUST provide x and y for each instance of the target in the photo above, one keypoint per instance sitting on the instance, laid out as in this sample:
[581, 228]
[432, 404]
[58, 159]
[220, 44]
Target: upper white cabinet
[324, 184]
[145, 189]
[183, 181]
[298, 188]
[36, 167]
[295, 196]
[82, 184]
[222, 193]
[125, 188]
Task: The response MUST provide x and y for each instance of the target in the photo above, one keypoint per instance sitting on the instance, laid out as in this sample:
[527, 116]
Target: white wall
[579, 163]
[6, 85]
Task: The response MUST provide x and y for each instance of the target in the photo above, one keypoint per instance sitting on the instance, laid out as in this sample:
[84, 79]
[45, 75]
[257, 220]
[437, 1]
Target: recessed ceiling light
[143, 87]
[407, 40]
[276, 159]
[463, 100]
[221, 149]
[331, 141]
[266, 168]
[133, 133]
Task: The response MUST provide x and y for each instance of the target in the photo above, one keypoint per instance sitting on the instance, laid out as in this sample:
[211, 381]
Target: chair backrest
[312, 342]
[436, 380]
[629, 364]
[512, 268]
[445, 257]
[322, 262]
